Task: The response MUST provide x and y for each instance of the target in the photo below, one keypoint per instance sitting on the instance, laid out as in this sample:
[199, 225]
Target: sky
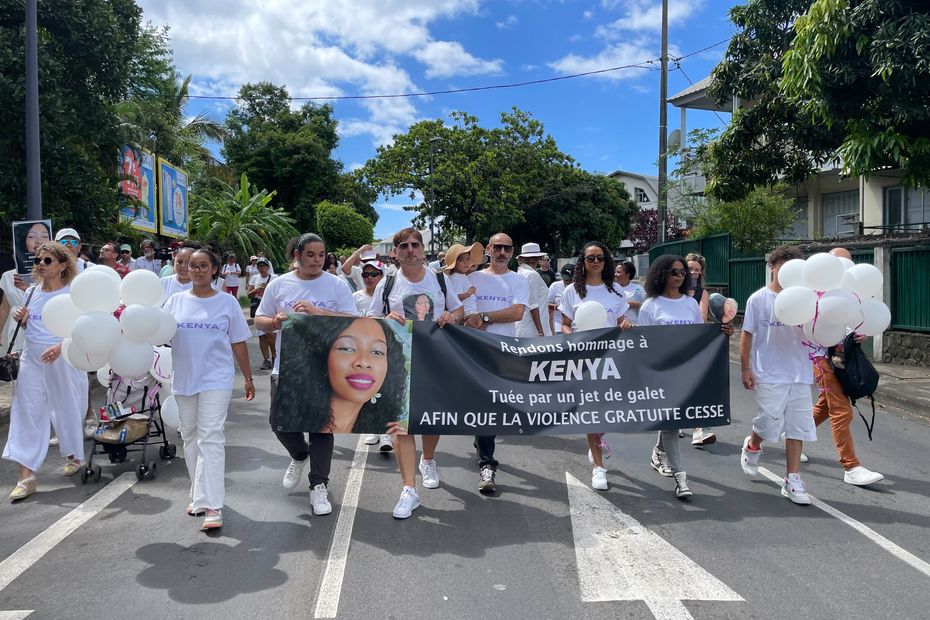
[325, 48]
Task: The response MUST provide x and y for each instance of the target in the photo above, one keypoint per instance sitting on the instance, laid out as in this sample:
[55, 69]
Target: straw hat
[476, 250]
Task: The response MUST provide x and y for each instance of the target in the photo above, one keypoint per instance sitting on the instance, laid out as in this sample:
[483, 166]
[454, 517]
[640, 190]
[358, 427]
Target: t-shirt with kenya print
[499, 292]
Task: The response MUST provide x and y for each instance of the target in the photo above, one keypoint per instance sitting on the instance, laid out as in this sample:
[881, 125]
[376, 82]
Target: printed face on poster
[27, 237]
[137, 188]
[172, 200]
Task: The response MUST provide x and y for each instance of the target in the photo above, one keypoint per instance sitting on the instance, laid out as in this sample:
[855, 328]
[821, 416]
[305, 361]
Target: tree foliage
[241, 219]
[754, 222]
[341, 226]
[645, 233]
[477, 181]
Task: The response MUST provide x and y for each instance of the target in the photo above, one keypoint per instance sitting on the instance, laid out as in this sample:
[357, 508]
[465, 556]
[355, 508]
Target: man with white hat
[70, 238]
[535, 320]
[125, 256]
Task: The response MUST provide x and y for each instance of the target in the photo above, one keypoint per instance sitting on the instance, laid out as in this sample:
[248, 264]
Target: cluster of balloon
[830, 296]
[95, 340]
[590, 315]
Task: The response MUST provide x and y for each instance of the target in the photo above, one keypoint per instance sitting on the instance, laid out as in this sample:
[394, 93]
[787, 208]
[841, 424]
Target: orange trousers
[833, 404]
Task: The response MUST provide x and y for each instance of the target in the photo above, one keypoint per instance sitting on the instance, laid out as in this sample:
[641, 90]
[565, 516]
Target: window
[840, 217]
[640, 195]
[799, 231]
[907, 209]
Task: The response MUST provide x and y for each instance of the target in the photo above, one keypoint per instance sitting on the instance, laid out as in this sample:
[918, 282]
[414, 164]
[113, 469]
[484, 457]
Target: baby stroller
[130, 419]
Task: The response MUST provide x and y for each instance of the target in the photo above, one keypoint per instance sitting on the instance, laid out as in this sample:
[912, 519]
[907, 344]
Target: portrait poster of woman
[342, 375]
[28, 236]
[418, 307]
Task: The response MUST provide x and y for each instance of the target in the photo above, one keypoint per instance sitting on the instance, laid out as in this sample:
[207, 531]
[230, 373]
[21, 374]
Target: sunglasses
[501, 247]
[72, 242]
[678, 272]
[595, 258]
[45, 260]
[413, 245]
[371, 274]
[125, 252]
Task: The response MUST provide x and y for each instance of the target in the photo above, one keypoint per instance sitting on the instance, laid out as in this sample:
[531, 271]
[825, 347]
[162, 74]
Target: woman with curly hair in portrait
[352, 376]
[593, 280]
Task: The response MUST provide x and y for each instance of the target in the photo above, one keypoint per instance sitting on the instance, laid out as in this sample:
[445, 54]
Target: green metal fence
[747, 275]
[910, 288]
[715, 250]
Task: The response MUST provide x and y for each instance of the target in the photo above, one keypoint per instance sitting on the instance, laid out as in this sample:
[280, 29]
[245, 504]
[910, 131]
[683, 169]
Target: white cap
[67, 232]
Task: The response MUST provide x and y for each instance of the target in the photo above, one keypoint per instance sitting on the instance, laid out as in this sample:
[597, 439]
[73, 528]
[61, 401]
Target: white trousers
[203, 417]
[46, 394]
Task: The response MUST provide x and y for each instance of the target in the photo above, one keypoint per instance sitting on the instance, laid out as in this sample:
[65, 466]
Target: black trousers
[484, 444]
[318, 447]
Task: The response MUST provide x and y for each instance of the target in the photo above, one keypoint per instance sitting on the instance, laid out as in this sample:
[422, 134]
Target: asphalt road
[525, 553]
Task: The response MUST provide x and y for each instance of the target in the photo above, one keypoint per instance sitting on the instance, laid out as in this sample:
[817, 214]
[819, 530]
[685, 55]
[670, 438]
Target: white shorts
[784, 408]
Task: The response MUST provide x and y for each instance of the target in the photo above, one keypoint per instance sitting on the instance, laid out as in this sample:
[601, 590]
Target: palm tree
[241, 219]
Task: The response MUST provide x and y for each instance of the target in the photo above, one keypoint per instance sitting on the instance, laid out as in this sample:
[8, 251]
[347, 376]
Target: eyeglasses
[595, 258]
[125, 251]
[46, 260]
[371, 274]
[501, 247]
[678, 272]
[72, 242]
[199, 266]
[413, 245]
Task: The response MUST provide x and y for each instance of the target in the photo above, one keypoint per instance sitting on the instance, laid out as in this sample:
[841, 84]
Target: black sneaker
[486, 483]
[267, 365]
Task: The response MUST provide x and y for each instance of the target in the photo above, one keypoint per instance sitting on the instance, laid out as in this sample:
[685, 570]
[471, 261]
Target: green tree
[754, 222]
[241, 219]
[341, 227]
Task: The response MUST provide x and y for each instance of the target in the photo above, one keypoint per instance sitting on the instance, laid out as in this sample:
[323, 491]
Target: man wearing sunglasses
[71, 240]
[125, 256]
[502, 297]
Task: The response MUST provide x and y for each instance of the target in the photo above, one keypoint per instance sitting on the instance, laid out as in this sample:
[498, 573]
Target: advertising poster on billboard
[137, 188]
[172, 200]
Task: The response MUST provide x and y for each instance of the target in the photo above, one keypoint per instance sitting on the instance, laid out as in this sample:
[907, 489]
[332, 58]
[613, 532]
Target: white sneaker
[804, 458]
[749, 459]
[53, 441]
[294, 472]
[702, 437]
[408, 502]
[793, 489]
[682, 489]
[599, 479]
[386, 443]
[319, 499]
[659, 462]
[371, 440]
[860, 476]
[430, 473]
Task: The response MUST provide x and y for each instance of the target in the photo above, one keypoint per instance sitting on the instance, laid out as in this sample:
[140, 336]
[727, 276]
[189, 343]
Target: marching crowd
[471, 286]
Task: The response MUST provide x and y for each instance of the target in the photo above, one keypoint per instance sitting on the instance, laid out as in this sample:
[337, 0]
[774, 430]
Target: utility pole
[663, 130]
[33, 160]
[432, 196]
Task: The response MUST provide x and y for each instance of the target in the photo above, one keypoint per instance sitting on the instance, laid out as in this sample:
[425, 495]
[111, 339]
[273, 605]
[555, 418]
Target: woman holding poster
[668, 303]
[593, 281]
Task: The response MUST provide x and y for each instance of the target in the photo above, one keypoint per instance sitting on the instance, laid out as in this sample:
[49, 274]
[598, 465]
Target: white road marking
[30, 553]
[618, 560]
[878, 539]
[18, 614]
[327, 602]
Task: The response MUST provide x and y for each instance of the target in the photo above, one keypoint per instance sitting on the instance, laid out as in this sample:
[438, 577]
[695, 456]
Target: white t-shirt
[355, 276]
[231, 274]
[778, 354]
[36, 334]
[201, 350]
[415, 300]
[326, 291]
[556, 290]
[362, 301]
[538, 300]
[171, 285]
[153, 265]
[461, 283]
[257, 280]
[634, 292]
[251, 270]
[616, 305]
[666, 311]
[14, 298]
[499, 292]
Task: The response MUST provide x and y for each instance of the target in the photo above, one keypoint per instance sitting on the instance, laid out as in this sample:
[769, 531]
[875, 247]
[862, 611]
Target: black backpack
[857, 376]
[389, 284]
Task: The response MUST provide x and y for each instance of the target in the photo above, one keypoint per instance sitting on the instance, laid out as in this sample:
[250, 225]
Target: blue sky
[350, 47]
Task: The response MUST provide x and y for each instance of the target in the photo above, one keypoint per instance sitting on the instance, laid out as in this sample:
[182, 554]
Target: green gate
[910, 288]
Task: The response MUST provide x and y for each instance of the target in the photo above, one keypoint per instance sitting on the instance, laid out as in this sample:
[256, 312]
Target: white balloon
[877, 317]
[169, 412]
[839, 307]
[795, 305]
[131, 359]
[590, 315]
[792, 273]
[167, 326]
[103, 376]
[823, 272]
[111, 273]
[59, 315]
[142, 287]
[65, 348]
[94, 291]
[823, 333]
[162, 364]
[139, 322]
[96, 332]
[864, 280]
[83, 360]
[846, 262]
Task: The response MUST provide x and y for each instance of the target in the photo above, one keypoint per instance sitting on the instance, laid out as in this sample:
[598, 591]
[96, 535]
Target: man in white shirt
[535, 321]
[125, 256]
[416, 293]
[308, 290]
[502, 297]
[147, 260]
[70, 238]
[436, 265]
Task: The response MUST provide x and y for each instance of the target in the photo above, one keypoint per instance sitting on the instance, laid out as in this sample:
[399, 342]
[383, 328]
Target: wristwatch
[485, 318]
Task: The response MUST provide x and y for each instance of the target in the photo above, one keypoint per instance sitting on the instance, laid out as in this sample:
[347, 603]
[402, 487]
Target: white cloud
[510, 22]
[613, 56]
[646, 15]
[449, 58]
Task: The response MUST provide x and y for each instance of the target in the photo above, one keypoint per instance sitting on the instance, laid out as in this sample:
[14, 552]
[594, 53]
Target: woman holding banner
[593, 281]
[668, 303]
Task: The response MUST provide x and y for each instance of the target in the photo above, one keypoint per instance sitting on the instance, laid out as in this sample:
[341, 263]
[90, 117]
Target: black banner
[465, 381]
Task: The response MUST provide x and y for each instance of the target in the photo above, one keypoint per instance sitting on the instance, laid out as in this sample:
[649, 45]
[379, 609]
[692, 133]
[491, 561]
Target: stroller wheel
[172, 450]
[152, 472]
[97, 474]
[142, 471]
[84, 475]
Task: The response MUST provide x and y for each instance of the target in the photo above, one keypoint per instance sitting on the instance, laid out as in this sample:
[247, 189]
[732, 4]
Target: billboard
[172, 200]
[137, 188]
